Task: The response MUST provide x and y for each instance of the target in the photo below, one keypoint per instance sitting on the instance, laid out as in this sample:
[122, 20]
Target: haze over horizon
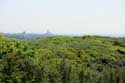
[63, 16]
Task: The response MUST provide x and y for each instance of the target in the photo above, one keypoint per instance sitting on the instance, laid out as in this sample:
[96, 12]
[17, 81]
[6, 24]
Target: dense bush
[88, 59]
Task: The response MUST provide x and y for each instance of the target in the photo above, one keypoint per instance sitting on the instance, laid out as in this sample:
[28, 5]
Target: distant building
[48, 33]
[24, 32]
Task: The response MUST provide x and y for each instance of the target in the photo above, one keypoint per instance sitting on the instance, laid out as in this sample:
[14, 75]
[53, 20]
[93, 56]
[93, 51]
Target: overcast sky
[63, 16]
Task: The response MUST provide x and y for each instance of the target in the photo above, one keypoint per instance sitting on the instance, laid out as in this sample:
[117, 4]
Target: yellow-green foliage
[60, 59]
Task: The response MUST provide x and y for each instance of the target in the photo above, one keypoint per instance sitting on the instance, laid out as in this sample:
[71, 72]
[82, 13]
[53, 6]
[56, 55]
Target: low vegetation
[60, 59]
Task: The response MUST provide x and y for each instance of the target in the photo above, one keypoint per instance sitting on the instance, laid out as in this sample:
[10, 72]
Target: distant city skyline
[63, 16]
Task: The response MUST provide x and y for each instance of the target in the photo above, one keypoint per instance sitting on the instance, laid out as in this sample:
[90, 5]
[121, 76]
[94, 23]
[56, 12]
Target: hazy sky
[63, 16]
